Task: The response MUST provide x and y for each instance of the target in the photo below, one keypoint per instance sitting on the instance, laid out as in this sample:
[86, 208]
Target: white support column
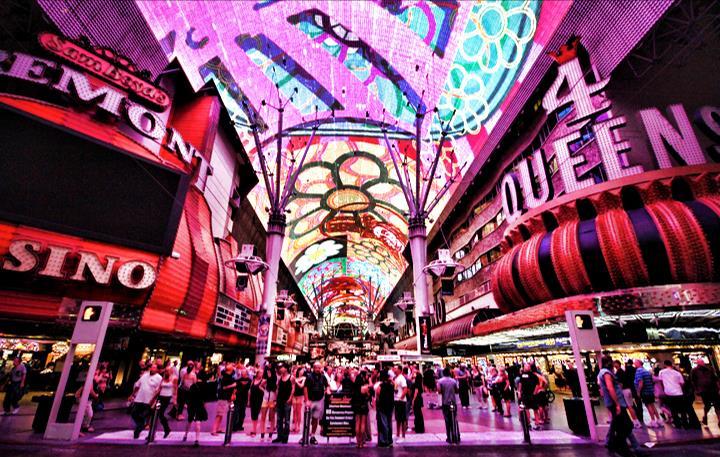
[418, 251]
[266, 321]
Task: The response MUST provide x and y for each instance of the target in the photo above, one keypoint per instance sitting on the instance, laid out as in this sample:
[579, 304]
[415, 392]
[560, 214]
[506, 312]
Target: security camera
[246, 264]
[407, 303]
[445, 269]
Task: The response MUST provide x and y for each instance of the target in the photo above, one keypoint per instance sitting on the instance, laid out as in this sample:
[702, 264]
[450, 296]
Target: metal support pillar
[418, 251]
[273, 251]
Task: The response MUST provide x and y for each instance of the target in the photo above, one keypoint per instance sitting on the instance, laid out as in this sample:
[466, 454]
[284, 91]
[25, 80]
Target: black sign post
[339, 417]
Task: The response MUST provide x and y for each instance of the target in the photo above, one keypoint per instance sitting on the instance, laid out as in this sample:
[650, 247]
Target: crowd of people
[277, 395]
[667, 392]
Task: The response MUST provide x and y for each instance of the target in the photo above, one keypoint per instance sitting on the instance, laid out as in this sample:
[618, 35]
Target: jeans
[676, 403]
[710, 400]
[283, 422]
[239, 412]
[464, 393]
[449, 422]
[139, 414]
[384, 426]
[164, 403]
[13, 394]
[418, 414]
[181, 400]
[620, 430]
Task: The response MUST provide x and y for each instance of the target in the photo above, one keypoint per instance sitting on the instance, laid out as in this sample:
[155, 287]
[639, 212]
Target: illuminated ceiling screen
[356, 58]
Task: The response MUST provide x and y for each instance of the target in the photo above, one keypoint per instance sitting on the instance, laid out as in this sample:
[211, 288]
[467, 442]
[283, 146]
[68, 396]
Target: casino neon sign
[26, 256]
[530, 185]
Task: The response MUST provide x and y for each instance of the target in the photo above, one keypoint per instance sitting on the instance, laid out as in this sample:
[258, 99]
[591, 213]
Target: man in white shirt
[144, 393]
[401, 389]
[673, 382]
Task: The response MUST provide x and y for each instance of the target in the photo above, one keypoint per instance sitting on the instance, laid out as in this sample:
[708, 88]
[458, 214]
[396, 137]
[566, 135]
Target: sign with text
[339, 416]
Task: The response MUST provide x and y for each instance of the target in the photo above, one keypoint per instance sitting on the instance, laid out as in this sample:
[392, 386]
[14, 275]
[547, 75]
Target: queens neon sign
[530, 185]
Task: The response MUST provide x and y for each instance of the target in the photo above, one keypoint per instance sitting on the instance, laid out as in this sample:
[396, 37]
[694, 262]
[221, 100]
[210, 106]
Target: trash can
[576, 417]
[42, 413]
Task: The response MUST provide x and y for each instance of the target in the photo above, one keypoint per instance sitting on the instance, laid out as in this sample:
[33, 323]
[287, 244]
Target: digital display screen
[56, 180]
[583, 322]
[91, 313]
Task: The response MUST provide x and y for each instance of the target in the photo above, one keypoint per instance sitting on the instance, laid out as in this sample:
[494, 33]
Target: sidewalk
[478, 427]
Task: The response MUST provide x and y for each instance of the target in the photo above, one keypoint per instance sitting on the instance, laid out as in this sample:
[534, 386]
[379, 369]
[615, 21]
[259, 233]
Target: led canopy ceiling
[358, 66]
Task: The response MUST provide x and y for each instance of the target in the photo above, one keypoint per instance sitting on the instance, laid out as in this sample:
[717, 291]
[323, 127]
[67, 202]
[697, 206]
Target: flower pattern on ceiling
[315, 254]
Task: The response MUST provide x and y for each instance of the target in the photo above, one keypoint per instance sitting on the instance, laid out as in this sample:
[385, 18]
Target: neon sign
[99, 65]
[105, 98]
[530, 186]
[24, 256]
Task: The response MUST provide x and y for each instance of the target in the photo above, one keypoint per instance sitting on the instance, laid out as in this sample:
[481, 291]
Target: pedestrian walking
[384, 405]
[167, 395]
[15, 388]
[707, 385]
[627, 382]
[285, 387]
[417, 403]
[196, 412]
[448, 387]
[463, 378]
[144, 393]
[645, 387]
[673, 382]
[316, 387]
[620, 424]
[226, 394]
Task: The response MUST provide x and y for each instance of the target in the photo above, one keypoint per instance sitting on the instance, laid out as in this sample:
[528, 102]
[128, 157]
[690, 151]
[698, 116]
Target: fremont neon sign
[105, 98]
[24, 255]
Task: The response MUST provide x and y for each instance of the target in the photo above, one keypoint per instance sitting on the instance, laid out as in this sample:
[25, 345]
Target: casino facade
[119, 189]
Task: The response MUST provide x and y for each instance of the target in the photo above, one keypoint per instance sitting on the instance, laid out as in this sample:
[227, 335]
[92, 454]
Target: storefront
[110, 193]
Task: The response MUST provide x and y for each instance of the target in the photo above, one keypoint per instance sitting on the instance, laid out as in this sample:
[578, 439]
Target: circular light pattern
[315, 254]
[495, 42]
[347, 200]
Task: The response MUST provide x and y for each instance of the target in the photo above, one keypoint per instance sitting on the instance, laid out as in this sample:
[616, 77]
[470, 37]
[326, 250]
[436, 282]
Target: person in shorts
[401, 390]
[316, 387]
[226, 392]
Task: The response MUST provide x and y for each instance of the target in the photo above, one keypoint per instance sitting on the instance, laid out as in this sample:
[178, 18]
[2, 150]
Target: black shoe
[276, 440]
[196, 444]
[166, 434]
[313, 440]
[136, 435]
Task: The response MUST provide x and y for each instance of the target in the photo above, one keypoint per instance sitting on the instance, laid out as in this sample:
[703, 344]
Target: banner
[425, 335]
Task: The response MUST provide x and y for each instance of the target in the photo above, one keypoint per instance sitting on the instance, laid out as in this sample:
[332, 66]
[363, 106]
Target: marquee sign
[104, 63]
[60, 262]
[113, 100]
[672, 141]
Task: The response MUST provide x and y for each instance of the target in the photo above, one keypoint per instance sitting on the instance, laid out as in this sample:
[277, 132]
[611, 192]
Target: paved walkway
[477, 426]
